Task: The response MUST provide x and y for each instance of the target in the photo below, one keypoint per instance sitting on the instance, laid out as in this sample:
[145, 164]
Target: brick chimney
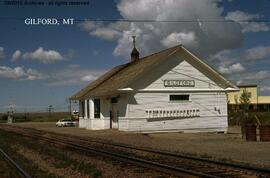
[135, 55]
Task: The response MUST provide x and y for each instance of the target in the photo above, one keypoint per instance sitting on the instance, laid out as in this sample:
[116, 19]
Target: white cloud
[2, 53]
[243, 17]
[257, 53]
[19, 73]
[234, 68]
[78, 76]
[261, 75]
[70, 53]
[88, 25]
[16, 55]
[265, 88]
[96, 52]
[124, 45]
[256, 27]
[43, 56]
[106, 33]
[88, 78]
[110, 32]
[239, 82]
[178, 38]
[73, 66]
[221, 56]
[239, 16]
[224, 59]
[153, 36]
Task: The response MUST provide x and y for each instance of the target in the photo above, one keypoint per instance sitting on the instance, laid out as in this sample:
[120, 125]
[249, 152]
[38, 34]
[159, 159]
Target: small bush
[235, 118]
[4, 117]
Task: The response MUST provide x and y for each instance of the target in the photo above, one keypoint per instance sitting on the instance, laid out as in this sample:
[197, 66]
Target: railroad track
[172, 163]
[13, 164]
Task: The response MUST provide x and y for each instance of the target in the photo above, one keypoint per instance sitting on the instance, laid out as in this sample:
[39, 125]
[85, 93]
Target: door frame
[115, 113]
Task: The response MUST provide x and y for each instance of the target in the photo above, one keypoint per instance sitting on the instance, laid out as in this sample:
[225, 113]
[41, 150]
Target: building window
[249, 94]
[179, 97]
[88, 113]
[96, 108]
[82, 108]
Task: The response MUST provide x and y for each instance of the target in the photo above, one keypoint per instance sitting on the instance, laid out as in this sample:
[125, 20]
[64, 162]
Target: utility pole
[50, 109]
[10, 114]
[70, 112]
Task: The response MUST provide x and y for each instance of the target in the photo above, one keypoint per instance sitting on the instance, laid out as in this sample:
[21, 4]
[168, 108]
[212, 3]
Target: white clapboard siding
[195, 124]
[94, 124]
[208, 103]
[149, 93]
[181, 70]
[184, 71]
[205, 102]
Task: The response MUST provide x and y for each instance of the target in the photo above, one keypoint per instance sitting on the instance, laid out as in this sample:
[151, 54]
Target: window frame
[179, 101]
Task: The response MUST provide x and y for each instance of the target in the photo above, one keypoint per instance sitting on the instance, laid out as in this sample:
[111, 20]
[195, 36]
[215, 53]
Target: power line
[195, 78]
[153, 20]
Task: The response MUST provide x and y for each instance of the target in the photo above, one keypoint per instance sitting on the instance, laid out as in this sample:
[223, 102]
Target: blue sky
[43, 65]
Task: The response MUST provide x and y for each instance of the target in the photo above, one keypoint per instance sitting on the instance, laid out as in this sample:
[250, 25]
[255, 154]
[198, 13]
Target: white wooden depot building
[171, 90]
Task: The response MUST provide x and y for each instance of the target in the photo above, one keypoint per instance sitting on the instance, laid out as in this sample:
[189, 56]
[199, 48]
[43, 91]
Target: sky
[42, 65]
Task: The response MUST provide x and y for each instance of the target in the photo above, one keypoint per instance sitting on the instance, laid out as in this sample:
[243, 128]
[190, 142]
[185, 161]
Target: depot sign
[179, 83]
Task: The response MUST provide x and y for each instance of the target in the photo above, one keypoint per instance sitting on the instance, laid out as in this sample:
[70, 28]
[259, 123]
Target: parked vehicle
[66, 123]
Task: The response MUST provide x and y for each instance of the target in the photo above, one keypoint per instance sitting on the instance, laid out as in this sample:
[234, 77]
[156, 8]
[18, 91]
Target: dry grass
[6, 171]
[57, 161]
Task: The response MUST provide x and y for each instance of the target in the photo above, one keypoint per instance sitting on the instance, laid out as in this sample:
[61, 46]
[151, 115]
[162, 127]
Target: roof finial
[134, 37]
[135, 55]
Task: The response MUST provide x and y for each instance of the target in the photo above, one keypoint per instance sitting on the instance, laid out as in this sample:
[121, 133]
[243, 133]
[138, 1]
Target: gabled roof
[121, 76]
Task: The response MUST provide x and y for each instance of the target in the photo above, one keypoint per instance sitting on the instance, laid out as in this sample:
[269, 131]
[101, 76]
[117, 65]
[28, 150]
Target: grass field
[36, 117]
[234, 118]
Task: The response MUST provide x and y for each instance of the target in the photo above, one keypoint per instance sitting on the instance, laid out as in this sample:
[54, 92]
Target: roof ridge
[143, 58]
[131, 63]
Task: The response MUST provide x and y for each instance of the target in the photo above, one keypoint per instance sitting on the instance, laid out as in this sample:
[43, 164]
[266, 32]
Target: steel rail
[196, 173]
[247, 167]
[138, 161]
[11, 162]
[149, 150]
[177, 155]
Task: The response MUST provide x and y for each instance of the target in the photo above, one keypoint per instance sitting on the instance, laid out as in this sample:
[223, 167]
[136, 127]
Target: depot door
[115, 114]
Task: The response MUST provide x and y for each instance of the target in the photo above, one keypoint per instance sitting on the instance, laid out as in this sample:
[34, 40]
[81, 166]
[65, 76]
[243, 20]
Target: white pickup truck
[66, 123]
